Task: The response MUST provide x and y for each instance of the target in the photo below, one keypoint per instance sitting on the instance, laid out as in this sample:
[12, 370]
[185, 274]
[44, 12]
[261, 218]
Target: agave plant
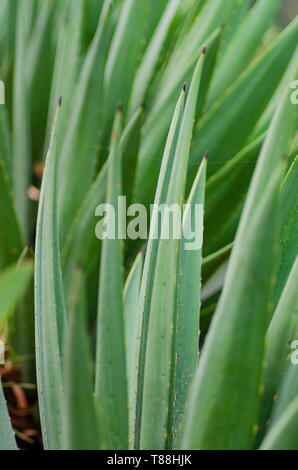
[142, 344]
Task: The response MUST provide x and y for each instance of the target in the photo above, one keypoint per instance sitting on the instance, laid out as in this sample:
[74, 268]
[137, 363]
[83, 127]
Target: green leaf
[10, 235]
[211, 262]
[225, 193]
[158, 121]
[267, 116]
[7, 438]
[288, 387]
[21, 331]
[123, 57]
[223, 138]
[130, 143]
[132, 321]
[21, 136]
[49, 305]
[146, 68]
[80, 146]
[281, 332]
[283, 436]
[111, 380]
[215, 283]
[79, 416]
[81, 247]
[289, 223]
[242, 47]
[232, 24]
[223, 405]
[185, 351]
[13, 283]
[65, 69]
[92, 9]
[213, 14]
[38, 70]
[150, 265]
[160, 329]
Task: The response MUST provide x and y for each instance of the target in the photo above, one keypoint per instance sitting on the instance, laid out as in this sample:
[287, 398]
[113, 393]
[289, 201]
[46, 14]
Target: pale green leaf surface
[223, 405]
[282, 331]
[49, 305]
[160, 329]
[132, 320]
[79, 416]
[185, 350]
[284, 435]
[110, 380]
[13, 283]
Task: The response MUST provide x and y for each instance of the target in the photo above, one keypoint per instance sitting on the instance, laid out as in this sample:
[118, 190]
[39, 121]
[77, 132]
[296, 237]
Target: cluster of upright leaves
[117, 349]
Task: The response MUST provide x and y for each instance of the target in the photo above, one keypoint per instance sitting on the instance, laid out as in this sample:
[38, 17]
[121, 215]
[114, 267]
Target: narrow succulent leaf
[146, 68]
[4, 38]
[13, 283]
[38, 68]
[49, 304]
[213, 14]
[132, 321]
[268, 114]
[242, 48]
[111, 380]
[294, 149]
[124, 54]
[281, 332]
[81, 241]
[21, 331]
[225, 137]
[80, 146]
[288, 387]
[155, 13]
[215, 283]
[5, 141]
[223, 405]
[288, 241]
[210, 263]
[225, 193]
[160, 328]
[92, 9]
[213, 45]
[185, 349]
[130, 128]
[192, 9]
[232, 380]
[79, 416]
[65, 69]
[217, 255]
[283, 435]
[150, 264]
[20, 137]
[7, 438]
[130, 144]
[10, 234]
[232, 25]
[158, 122]
[81, 247]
